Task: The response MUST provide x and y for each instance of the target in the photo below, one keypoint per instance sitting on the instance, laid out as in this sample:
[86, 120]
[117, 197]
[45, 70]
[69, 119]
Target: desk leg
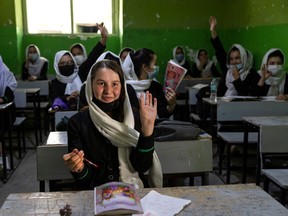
[42, 186]
[35, 104]
[258, 165]
[4, 178]
[245, 150]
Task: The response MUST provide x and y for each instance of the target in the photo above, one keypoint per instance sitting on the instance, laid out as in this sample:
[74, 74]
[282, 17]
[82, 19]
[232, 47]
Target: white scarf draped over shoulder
[276, 83]
[124, 136]
[73, 81]
[131, 77]
[247, 62]
[7, 78]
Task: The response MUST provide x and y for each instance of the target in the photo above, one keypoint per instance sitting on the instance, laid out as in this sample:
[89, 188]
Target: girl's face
[106, 85]
[152, 64]
[234, 57]
[203, 57]
[275, 60]
[76, 51]
[32, 50]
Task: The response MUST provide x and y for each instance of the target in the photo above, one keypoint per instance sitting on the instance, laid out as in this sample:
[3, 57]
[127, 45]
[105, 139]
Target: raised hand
[148, 113]
[213, 25]
[104, 33]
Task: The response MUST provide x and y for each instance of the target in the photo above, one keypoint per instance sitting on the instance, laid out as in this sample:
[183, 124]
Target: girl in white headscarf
[139, 67]
[179, 57]
[78, 50]
[203, 66]
[238, 76]
[67, 83]
[35, 67]
[105, 135]
[274, 80]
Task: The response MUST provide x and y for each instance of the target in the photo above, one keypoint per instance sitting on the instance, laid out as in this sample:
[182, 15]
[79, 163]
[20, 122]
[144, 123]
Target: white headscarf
[131, 77]
[277, 82]
[83, 50]
[35, 67]
[73, 81]
[7, 78]
[206, 72]
[246, 61]
[124, 136]
[174, 55]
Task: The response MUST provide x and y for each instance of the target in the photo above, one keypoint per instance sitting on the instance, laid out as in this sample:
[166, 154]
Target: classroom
[162, 25]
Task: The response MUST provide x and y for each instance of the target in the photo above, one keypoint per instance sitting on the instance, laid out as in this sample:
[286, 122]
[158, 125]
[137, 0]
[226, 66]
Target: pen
[91, 163]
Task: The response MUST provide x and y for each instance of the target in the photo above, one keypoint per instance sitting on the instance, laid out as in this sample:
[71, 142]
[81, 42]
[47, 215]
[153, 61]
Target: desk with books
[240, 199]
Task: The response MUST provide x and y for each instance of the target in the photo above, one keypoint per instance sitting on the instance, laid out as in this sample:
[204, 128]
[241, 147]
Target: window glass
[56, 16]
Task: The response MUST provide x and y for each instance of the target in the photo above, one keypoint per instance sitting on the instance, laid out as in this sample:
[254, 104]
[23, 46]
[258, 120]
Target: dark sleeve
[91, 59]
[141, 157]
[259, 90]
[43, 73]
[215, 72]
[25, 73]
[246, 87]
[74, 141]
[57, 89]
[8, 95]
[220, 53]
[195, 71]
[82, 98]
[221, 56]
[156, 90]
[188, 67]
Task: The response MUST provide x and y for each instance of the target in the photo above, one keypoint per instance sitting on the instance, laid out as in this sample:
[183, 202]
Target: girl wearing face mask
[238, 76]
[139, 66]
[35, 67]
[67, 84]
[273, 80]
[179, 58]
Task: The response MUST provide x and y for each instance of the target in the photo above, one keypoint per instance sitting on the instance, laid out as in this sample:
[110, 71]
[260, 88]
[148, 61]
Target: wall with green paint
[161, 25]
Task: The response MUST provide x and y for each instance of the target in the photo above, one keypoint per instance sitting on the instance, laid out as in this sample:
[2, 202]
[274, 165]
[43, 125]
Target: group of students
[119, 102]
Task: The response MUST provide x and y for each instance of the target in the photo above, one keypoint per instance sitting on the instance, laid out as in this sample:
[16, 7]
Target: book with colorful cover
[173, 75]
[116, 198]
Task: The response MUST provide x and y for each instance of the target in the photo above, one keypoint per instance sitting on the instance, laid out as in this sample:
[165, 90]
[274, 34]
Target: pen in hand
[91, 163]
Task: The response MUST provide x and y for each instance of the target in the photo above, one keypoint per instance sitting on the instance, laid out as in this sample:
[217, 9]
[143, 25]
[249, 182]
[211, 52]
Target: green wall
[161, 25]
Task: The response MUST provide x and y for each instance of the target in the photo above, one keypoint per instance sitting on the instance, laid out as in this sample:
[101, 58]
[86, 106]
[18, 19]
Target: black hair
[140, 57]
[276, 53]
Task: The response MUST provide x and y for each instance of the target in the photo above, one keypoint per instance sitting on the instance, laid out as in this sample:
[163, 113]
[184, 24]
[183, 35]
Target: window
[69, 16]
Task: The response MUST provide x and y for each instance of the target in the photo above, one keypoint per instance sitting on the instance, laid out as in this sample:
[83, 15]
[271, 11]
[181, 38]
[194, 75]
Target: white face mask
[238, 66]
[275, 69]
[153, 74]
[79, 59]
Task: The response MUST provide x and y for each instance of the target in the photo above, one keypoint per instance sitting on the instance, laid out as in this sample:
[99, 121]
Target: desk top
[29, 90]
[5, 105]
[57, 138]
[267, 120]
[246, 199]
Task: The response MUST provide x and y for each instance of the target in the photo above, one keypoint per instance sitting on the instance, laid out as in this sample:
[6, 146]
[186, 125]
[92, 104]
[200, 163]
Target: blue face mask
[238, 66]
[179, 57]
[33, 57]
[154, 73]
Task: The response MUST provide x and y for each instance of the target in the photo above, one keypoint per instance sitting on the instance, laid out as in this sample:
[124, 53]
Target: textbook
[116, 198]
[173, 75]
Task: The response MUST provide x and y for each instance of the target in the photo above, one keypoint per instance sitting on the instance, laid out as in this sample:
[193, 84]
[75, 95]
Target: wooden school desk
[240, 199]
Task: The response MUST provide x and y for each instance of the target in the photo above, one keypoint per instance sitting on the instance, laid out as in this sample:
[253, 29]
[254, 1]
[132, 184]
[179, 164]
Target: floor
[24, 178]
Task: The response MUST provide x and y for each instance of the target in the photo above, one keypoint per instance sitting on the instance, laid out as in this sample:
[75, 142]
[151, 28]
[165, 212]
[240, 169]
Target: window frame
[116, 7]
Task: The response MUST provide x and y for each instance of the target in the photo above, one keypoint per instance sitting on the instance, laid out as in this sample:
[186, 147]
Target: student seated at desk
[79, 52]
[138, 67]
[8, 84]
[105, 135]
[238, 77]
[65, 88]
[273, 79]
[203, 66]
[180, 58]
[35, 66]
